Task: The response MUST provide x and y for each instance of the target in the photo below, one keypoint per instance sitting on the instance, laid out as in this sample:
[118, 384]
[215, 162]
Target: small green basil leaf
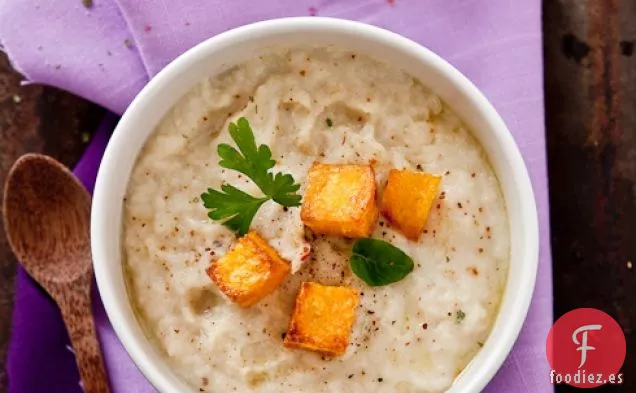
[379, 263]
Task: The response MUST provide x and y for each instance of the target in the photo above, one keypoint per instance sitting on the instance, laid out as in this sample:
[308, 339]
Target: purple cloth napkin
[107, 52]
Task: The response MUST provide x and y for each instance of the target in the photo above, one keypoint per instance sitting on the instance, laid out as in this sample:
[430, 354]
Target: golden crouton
[340, 200]
[322, 318]
[250, 271]
[407, 200]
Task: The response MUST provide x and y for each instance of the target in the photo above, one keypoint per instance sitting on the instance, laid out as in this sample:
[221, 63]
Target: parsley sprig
[237, 208]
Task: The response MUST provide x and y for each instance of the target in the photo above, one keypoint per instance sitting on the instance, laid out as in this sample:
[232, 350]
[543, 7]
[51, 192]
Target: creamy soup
[330, 106]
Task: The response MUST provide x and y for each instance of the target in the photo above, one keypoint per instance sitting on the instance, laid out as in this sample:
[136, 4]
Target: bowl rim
[491, 357]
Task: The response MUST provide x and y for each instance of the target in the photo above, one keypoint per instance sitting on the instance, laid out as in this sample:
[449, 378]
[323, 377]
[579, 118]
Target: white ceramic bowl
[230, 48]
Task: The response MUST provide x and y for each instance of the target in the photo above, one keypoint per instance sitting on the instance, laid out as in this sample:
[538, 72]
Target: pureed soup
[349, 279]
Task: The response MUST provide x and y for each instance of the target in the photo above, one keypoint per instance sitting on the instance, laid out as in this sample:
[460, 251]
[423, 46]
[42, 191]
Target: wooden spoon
[46, 217]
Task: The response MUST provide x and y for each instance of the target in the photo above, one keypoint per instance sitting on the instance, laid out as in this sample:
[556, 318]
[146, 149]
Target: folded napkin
[106, 50]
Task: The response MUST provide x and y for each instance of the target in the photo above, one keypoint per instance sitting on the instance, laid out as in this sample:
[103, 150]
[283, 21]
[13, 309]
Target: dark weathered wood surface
[590, 83]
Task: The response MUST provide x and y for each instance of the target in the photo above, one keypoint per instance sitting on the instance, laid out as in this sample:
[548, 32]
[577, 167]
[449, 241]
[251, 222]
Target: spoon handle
[76, 311]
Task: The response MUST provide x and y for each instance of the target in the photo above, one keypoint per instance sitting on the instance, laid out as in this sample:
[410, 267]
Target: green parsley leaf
[379, 263]
[234, 206]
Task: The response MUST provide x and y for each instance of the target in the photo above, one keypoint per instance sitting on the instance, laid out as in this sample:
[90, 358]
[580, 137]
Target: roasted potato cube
[250, 271]
[340, 200]
[407, 200]
[322, 318]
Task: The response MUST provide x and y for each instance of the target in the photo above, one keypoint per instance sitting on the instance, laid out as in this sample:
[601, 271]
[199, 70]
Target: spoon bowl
[47, 219]
[47, 211]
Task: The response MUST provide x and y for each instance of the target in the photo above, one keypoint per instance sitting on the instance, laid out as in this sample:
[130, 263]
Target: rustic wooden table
[590, 84]
[590, 91]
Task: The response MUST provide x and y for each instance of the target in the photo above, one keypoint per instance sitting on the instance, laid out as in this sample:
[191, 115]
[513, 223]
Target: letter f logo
[584, 347]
